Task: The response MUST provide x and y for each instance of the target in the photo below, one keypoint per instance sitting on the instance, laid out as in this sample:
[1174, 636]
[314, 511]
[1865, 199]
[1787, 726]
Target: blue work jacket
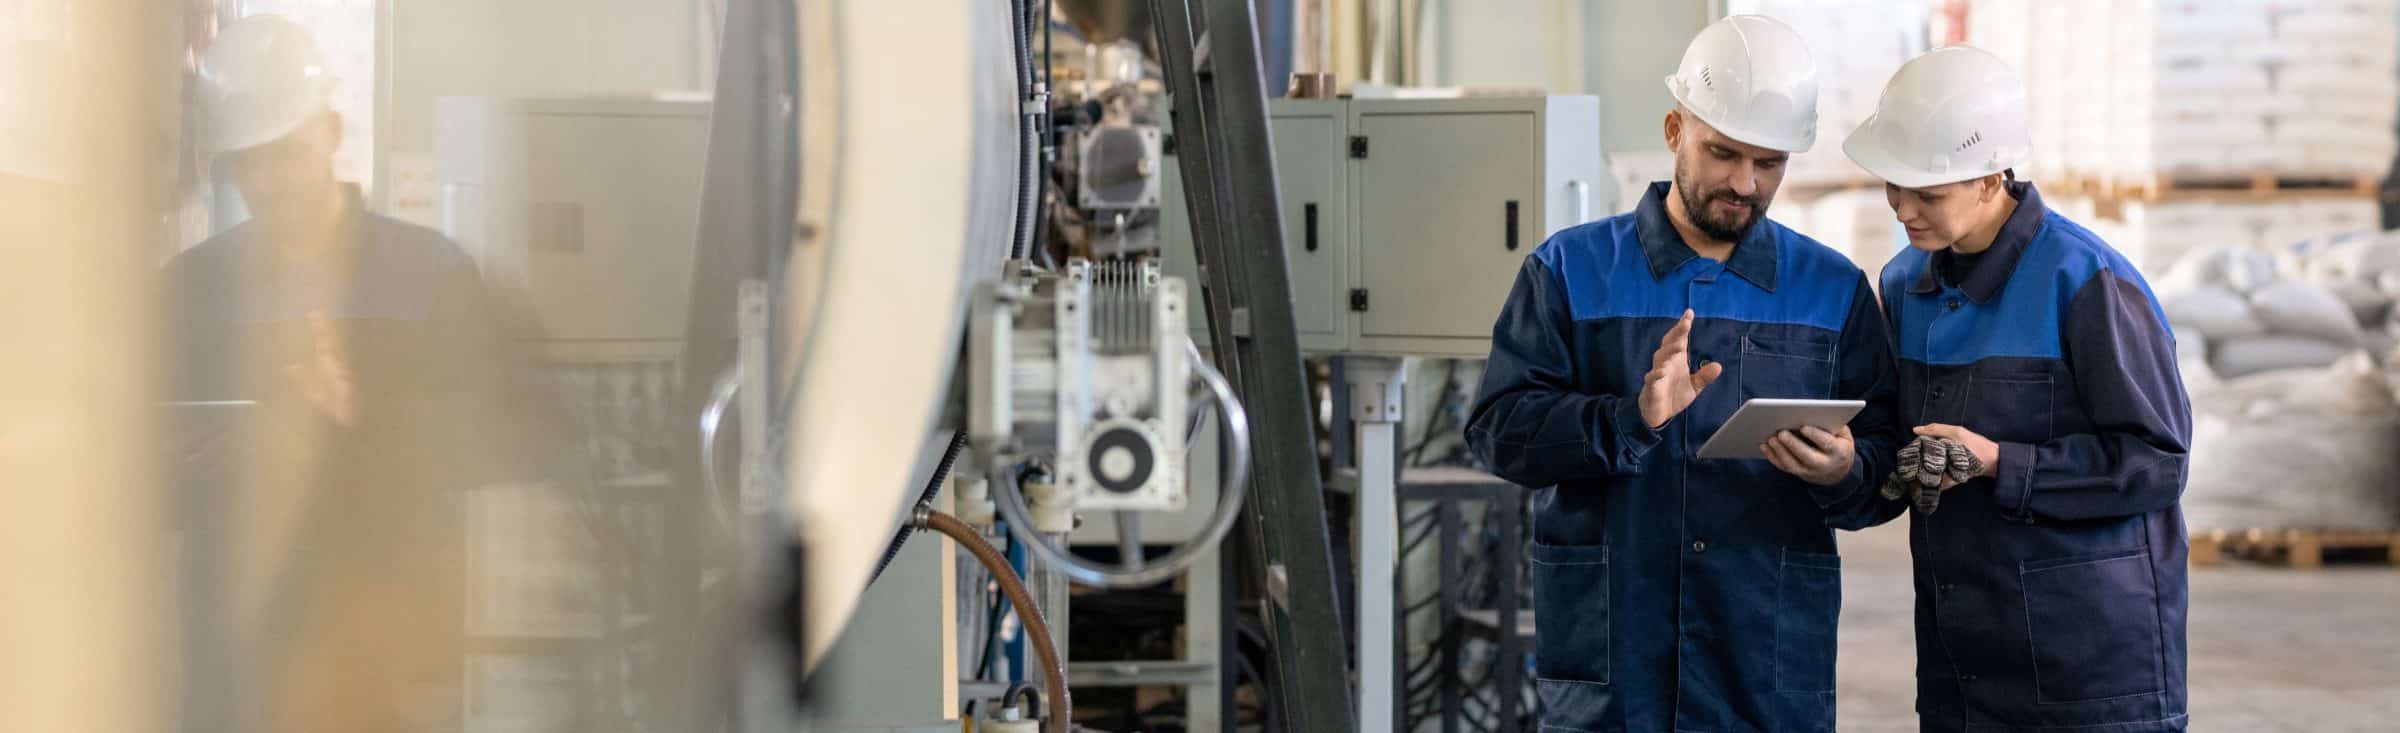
[2051, 598]
[1672, 593]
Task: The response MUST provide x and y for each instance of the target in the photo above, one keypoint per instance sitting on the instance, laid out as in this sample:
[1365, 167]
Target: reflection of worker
[334, 598]
[2050, 584]
[1673, 593]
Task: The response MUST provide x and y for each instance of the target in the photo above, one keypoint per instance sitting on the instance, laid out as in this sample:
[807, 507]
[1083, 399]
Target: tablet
[1760, 419]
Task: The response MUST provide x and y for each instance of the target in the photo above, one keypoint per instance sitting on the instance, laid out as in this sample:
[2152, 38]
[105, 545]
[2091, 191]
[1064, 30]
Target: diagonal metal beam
[1212, 68]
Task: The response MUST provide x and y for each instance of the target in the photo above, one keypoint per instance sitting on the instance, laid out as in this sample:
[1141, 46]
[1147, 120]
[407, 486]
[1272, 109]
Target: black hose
[933, 487]
[1028, 147]
[1048, 147]
[1031, 692]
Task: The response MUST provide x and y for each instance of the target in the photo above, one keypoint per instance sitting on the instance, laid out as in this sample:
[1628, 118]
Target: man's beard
[1704, 218]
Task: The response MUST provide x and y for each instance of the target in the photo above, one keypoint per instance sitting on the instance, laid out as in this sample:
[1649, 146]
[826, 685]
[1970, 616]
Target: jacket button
[1953, 304]
[1937, 393]
[1966, 678]
[1943, 588]
[1699, 545]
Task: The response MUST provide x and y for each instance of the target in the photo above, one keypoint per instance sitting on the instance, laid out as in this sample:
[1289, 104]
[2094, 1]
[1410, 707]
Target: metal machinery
[1413, 217]
[1107, 138]
[1080, 372]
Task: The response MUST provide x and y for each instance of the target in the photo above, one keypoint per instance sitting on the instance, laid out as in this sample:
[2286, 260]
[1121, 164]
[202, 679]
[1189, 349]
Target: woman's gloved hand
[1923, 466]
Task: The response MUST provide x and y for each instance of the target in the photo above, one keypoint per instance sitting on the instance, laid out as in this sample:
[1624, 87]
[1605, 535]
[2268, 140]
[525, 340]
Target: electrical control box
[1405, 220]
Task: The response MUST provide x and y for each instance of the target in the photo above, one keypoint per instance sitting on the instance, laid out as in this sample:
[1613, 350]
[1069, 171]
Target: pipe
[1054, 670]
[933, 487]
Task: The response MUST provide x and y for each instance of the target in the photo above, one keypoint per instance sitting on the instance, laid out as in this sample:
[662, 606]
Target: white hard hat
[1953, 114]
[1750, 76]
[261, 79]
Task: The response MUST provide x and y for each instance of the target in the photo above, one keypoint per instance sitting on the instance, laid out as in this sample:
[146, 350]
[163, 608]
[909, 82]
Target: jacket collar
[1991, 273]
[1753, 258]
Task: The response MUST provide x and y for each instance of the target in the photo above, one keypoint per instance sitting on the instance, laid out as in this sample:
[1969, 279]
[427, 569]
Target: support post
[1376, 383]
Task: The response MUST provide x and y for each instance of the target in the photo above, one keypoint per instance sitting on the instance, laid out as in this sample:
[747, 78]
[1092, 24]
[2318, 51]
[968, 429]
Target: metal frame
[1220, 121]
[1450, 487]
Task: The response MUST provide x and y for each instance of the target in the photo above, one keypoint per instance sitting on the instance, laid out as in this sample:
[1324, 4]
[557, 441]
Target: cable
[933, 486]
[1054, 671]
[1028, 147]
[1049, 138]
[993, 611]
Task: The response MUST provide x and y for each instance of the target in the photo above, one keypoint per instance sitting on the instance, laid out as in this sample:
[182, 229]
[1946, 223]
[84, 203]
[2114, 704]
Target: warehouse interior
[883, 366]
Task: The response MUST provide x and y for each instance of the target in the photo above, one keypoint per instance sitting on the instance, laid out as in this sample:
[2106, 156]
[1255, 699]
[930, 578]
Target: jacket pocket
[1808, 606]
[2016, 408]
[1787, 366]
[2093, 620]
[1570, 613]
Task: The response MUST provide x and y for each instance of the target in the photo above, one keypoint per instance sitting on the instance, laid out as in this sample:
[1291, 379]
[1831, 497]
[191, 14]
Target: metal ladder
[1209, 52]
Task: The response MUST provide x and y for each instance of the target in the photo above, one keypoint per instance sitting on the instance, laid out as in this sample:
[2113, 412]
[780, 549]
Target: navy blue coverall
[2051, 598]
[1670, 593]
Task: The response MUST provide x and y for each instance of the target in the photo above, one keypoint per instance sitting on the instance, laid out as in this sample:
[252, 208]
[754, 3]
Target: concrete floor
[2272, 650]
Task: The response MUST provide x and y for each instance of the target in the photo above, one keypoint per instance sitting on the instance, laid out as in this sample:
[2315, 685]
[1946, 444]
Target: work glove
[1923, 464]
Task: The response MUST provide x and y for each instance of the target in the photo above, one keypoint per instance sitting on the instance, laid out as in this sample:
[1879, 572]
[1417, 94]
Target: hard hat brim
[1868, 150]
[1786, 143]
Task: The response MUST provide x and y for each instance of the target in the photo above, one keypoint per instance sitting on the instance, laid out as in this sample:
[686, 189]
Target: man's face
[1936, 217]
[1725, 184]
[288, 180]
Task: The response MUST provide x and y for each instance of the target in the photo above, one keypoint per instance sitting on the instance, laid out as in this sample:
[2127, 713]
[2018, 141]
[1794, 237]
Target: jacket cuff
[1828, 497]
[1634, 438]
[2014, 491]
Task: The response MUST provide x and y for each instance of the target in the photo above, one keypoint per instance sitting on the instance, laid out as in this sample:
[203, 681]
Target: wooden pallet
[2296, 548]
[2260, 184]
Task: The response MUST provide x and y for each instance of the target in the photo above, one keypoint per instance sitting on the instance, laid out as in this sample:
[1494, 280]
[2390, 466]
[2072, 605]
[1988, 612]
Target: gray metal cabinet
[1405, 220]
[1316, 217]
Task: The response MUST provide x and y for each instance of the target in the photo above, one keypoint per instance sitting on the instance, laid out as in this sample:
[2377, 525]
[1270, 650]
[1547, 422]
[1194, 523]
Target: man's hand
[1814, 454]
[324, 379]
[1984, 449]
[1671, 385]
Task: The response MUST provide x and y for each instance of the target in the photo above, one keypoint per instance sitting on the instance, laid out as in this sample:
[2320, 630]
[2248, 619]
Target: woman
[2050, 573]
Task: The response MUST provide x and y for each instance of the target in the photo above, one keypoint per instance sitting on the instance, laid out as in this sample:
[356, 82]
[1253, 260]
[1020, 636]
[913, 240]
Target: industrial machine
[1051, 388]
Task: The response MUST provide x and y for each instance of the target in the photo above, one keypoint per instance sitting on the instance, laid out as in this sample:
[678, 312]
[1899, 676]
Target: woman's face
[1936, 217]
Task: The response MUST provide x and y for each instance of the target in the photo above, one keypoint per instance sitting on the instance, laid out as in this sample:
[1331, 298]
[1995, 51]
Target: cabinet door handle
[1512, 226]
[1308, 212]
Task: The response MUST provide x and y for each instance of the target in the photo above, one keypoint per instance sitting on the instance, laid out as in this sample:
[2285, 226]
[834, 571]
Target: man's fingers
[1807, 455]
[1819, 437]
[1939, 430]
[1668, 355]
[1777, 457]
[1707, 375]
[1681, 332]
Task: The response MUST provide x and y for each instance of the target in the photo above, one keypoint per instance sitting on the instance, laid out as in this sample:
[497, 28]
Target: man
[1673, 593]
[371, 386]
[2051, 582]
